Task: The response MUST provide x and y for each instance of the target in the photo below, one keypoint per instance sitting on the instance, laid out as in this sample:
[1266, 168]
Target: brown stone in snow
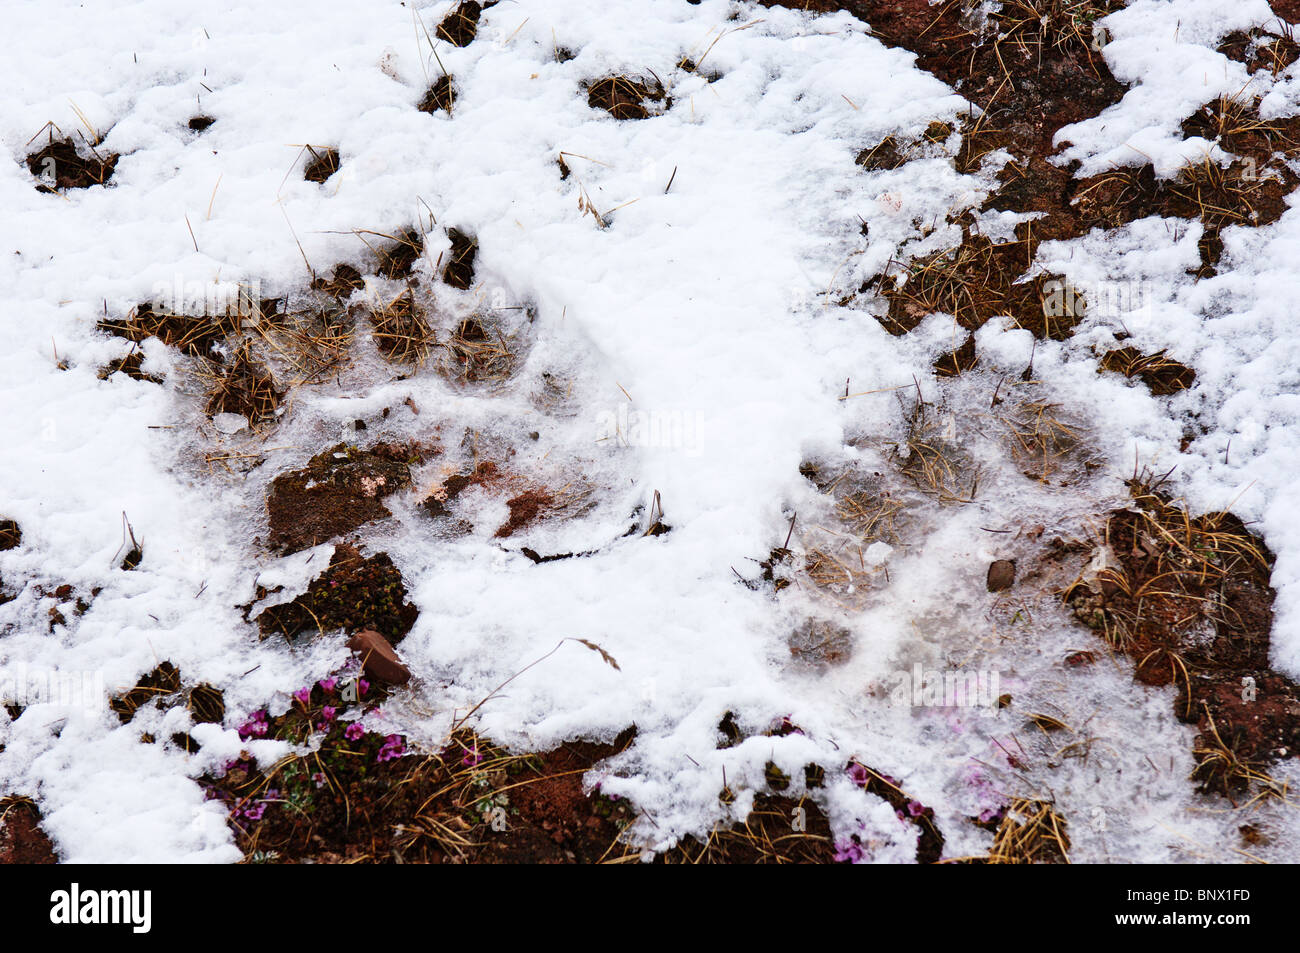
[1002, 573]
[378, 658]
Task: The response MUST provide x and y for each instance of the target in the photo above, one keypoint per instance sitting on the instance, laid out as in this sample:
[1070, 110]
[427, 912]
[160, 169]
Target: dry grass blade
[1031, 832]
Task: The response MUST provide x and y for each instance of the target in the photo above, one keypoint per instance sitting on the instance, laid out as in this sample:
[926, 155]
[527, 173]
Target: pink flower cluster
[393, 747]
[255, 727]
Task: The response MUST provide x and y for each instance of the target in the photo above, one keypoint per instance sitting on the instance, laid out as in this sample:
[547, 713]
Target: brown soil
[1161, 374]
[11, 536]
[929, 845]
[768, 836]
[1261, 49]
[525, 509]
[131, 365]
[339, 490]
[162, 681]
[399, 329]
[21, 839]
[438, 503]
[459, 272]
[244, 387]
[344, 281]
[355, 593]
[324, 163]
[200, 123]
[441, 95]
[70, 169]
[205, 703]
[397, 259]
[1190, 602]
[472, 802]
[193, 334]
[625, 98]
[460, 26]
[1036, 71]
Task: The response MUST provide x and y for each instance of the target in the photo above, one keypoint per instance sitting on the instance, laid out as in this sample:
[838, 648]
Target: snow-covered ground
[707, 308]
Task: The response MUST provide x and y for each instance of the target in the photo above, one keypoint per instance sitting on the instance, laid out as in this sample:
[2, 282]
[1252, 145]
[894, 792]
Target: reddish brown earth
[339, 490]
[21, 839]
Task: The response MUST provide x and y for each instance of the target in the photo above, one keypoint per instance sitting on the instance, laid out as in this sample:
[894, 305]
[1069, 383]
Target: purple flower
[915, 808]
[328, 712]
[362, 685]
[858, 774]
[990, 814]
[354, 731]
[394, 747]
[319, 779]
[253, 811]
[255, 727]
[851, 851]
[328, 683]
[472, 756]
[303, 696]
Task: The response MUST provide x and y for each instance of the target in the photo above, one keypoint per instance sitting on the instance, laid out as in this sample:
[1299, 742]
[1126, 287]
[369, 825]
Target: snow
[705, 303]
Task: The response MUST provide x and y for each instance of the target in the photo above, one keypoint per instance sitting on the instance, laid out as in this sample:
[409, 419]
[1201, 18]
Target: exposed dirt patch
[478, 353]
[58, 165]
[460, 26]
[132, 365]
[205, 703]
[1163, 375]
[398, 258]
[22, 841]
[459, 272]
[973, 282]
[820, 643]
[323, 164]
[626, 98]
[244, 386]
[930, 840]
[66, 601]
[342, 283]
[354, 594]
[399, 329]
[194, 334]
[1262, 50]
[339, 490]
[441, 95]
[957, 361]
[438, 504]
[200, 123]
[11, 535]
[525, 509]
[1189, 600]
[778, 830]
[364, 797]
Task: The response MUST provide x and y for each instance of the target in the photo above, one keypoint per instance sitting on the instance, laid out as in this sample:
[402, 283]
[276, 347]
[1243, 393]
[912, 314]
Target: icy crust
[705, 299]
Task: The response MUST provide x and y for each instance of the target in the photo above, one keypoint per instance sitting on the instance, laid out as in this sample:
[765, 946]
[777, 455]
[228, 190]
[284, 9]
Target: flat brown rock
[1002, 573]
[378, 658]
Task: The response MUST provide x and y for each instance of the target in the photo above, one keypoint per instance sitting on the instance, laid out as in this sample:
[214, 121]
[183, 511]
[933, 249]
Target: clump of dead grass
[243, 386]
[400, 330]
[1031, 832]
[626, 98]
[1162, 374]
[477, 353]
